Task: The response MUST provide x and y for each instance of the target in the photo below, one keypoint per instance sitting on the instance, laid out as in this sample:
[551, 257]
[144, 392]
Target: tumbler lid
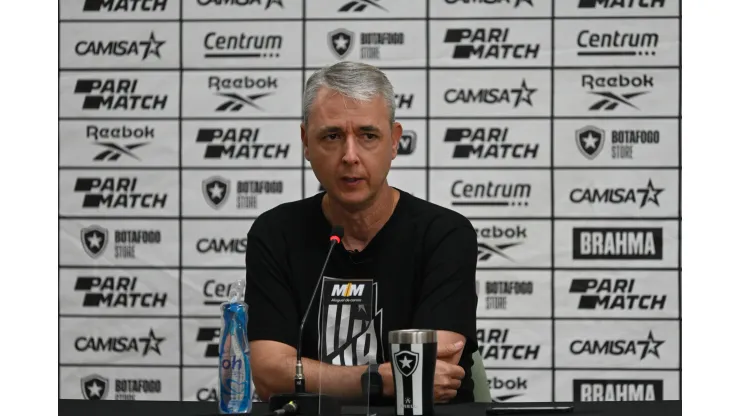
[412, 336]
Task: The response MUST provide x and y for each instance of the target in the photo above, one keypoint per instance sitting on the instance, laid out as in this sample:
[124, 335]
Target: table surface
[144, 408]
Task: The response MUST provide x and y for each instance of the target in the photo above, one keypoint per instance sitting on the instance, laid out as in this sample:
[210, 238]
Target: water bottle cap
[236, 294]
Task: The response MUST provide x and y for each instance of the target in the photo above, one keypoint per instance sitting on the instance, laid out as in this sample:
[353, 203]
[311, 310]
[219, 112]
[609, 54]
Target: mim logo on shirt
[347, 290]
[617, 390]
[490, 194]
[489, 43]
[612, 243]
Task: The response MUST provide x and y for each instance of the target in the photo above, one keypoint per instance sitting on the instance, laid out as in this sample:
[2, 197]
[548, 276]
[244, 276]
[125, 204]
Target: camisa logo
[494, 343]
[94, 240]
[121, 344]
[117, 292]
[617, 390]
[115, 140]
[618, 195]
[357, 6]
[614, 294]
[124, 5]
[618, 347]
[126, 47]
[610, 90]
[620, 4]
[612, 243]
[487, 143]
[221, 245]
[513, 96]
[117, 94]
[232, 91]
[489, 43]
[239, 144]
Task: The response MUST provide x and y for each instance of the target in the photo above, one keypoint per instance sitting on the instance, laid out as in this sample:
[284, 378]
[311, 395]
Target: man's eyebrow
[369, 128]
[329, 129]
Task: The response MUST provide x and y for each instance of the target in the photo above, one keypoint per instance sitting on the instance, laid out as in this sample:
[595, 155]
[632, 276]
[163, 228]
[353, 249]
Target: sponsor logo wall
[554, 125]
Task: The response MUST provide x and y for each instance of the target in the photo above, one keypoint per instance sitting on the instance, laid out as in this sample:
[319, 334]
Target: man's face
[350, 145]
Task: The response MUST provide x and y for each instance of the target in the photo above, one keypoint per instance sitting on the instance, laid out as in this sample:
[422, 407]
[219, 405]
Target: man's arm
[274, 369]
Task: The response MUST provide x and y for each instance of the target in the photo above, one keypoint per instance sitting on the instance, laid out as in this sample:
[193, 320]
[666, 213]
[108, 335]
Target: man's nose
[350, 150]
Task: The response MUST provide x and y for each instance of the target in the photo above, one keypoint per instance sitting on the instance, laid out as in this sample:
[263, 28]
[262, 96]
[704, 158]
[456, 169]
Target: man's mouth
[352, 180]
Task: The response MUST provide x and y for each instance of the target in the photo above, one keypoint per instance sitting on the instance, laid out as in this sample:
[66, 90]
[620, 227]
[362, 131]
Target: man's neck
[362, 225]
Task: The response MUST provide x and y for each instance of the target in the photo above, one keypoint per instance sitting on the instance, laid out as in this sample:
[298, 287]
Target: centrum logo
[143, 48]
[360, 6]
[596, 43]
[242, 46]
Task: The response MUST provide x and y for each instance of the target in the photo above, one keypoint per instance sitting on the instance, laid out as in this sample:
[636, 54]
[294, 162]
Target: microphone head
[337, 232]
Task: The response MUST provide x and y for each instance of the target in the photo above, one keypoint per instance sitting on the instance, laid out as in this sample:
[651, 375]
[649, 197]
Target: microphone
[300, 402]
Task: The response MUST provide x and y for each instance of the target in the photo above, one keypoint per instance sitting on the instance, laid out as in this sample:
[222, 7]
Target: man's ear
[396, 132]
[304, 140]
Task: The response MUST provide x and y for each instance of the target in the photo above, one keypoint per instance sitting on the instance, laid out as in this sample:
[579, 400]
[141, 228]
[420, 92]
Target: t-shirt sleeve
[272, 311]
[447, 297]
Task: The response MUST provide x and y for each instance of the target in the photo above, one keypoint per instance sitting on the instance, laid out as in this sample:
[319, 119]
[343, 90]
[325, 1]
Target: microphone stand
[299, 402]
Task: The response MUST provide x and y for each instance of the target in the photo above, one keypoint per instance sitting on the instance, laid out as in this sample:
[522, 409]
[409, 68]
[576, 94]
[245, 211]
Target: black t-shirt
[422, 263]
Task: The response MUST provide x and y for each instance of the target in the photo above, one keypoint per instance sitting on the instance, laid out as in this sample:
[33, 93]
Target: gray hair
[355, 80]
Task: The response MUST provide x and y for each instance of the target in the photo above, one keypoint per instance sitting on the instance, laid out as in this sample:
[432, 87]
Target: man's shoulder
[288, 216]
[432, 218]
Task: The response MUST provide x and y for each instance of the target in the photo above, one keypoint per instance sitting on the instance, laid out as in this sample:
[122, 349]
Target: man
[420, 256]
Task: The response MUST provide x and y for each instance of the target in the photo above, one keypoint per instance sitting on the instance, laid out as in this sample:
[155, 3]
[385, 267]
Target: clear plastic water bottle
[235, 373]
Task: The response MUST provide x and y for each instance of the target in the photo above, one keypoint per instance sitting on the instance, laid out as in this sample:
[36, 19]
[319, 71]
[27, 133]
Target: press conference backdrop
[554, 126]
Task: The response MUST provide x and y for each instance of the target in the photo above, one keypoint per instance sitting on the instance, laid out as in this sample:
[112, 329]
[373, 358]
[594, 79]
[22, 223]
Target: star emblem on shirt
[152, 46]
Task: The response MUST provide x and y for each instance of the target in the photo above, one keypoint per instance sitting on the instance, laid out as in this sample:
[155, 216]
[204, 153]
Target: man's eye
[370, 136]
[331, 136]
